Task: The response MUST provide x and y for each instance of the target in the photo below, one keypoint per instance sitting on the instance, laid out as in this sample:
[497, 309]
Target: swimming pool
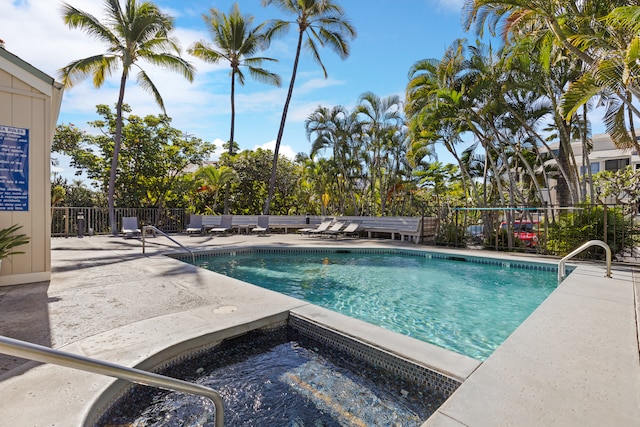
[469, 305]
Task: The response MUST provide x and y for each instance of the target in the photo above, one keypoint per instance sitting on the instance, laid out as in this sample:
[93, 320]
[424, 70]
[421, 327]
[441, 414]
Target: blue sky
[392, 35]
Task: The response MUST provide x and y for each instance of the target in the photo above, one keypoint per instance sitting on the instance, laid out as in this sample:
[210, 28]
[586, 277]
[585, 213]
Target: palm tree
[324, 23]
[58, 194]
[437, 104]
[214, 179]
[234, 42]
[538, 75]
[600, 35]
[139, 32]
[380, 118]
[613, 77]
[334, 128]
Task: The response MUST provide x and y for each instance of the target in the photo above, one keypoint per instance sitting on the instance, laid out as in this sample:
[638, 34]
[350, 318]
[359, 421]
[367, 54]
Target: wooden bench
[210, 221]
[398, 227]
[288, 222]
[429, 229]
[244, 223]
[405, 227]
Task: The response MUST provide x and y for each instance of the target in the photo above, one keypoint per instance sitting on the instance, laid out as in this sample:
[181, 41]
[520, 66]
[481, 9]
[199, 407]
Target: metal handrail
[43, 354]
[561, 267]
[155, 230]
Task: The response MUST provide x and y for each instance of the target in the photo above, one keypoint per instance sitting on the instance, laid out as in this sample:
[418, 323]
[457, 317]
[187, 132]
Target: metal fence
[550, 230]
[65, 221]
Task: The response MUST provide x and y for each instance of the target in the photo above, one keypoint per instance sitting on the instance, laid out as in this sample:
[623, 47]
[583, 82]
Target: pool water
[466, 307]
[279, 378]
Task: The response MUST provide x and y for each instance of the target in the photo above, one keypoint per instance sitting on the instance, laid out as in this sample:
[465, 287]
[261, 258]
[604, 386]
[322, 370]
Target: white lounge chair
[263, 225]
[323, 226]
[226, 224]
[335, 228]
[130, 226]
[195, 224]
[349, 230]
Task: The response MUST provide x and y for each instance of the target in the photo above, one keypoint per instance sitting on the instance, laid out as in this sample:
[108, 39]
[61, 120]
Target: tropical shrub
[9, 240]
[573, 229]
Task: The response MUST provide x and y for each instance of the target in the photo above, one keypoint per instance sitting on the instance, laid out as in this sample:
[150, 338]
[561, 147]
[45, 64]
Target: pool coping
[496, 393]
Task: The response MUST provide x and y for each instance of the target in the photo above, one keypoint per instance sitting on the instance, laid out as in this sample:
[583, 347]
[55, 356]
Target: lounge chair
[263, 225]
[323, 226]
[226, 224]
[130, 226]
[195, 224]
[350, 230]
[335, 228]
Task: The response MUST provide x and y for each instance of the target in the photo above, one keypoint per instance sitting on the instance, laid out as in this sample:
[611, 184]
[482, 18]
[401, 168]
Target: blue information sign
[14, 169]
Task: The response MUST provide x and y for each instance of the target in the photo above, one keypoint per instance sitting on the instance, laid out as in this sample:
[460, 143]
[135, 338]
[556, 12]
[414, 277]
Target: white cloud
[285, 150]
[50, 45]
[315, 84]
[298, 112]
[219, 149]
[283, 50]
[269, 101]
[192, 106]
[201, 108]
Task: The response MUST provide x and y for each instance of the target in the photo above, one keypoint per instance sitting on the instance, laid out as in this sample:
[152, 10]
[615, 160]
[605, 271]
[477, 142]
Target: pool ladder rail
[562, 273]
[155, 231]
[44, 354]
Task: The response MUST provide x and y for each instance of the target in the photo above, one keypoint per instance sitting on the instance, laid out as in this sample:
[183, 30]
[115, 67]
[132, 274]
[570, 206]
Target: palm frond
[609, 73]
[147, 85]
[78, 70]
[265, 76]
[311, 47]
[579, 93]
[204, 51]
[625, 17]
[76, 18]
[9, 240]
[632, 57]
[173, 63]
[276, 28]
[614, 120]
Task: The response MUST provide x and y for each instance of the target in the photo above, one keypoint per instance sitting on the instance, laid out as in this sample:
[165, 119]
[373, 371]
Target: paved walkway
[574, 362]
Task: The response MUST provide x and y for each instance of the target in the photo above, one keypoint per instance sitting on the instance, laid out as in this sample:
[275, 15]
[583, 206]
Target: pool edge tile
[449, 363]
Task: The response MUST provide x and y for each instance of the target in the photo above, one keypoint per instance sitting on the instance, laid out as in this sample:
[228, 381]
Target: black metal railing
[551, 230]
[93, 220]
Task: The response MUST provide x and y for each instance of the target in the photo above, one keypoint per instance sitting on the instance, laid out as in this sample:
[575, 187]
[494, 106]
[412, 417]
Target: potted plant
[9, 240]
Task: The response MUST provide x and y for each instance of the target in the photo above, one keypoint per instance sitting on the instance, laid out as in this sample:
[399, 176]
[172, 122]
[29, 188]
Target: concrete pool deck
[573, 362]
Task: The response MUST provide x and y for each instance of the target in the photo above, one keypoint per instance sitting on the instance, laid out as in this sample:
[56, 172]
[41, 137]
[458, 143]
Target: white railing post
[561, 268]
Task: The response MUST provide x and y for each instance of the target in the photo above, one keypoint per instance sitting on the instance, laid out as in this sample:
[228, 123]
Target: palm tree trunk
[231, 136]
[561, 166]
[585, 158]
[632, 129]
[283, 120]
[116, 152]
[565, 186]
